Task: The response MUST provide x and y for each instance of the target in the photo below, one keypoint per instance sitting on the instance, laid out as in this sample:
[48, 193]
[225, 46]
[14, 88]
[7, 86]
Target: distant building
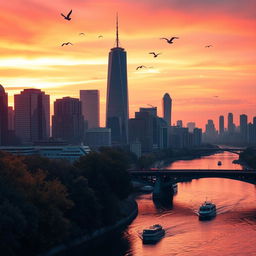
[210, 132]
[91, 107]
[197, 138]
[167, 109]
[3, 116]
[117, 112]
[159, 129]
[32, 115]
[231, 125]
[221, 125]
[135, 147]
[141, 130]
[10, 119]
[68, 121]
[191, 126]
[179, 137]
[179, 123]
[244, 128]
[98, 137]
[69, 153]
[253, 137]
[152, 111]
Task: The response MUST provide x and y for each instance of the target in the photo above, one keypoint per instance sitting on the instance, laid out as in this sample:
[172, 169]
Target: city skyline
[204, 83]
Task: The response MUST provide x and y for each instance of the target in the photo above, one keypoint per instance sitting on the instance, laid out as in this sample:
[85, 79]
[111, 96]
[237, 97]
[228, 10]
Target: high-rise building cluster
[242, 134]
[77, 121]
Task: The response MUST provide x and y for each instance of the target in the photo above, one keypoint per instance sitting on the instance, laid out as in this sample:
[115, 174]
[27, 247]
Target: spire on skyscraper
[117, 35]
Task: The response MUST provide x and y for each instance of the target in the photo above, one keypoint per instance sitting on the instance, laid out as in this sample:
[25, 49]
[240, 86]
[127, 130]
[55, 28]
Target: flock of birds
[154, 54]
[68, 18]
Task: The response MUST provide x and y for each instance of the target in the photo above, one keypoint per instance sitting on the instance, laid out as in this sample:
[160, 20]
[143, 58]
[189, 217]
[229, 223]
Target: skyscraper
[117, 113]
[167, 109]
[231, 126]
[191, 126]
[68, 121]
[243, 128]
[210, 131]
[32, 115]
[179, 123]
[221, 125]
[90, 107]
[10, 119]
[3, 116]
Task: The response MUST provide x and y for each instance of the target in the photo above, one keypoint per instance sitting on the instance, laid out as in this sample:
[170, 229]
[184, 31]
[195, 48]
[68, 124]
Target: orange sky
[31, 32]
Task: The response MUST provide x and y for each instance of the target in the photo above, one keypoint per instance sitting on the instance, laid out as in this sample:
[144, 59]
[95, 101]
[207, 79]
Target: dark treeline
[45, 202]
[249, 157]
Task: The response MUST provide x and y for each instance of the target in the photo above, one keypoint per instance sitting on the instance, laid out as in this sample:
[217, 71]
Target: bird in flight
[155, 54]
[170, 41]
[208, 46]
[66, 44]
[216, 96]
[81, 34]
[139, 67]
[100, 36]
[68, 16]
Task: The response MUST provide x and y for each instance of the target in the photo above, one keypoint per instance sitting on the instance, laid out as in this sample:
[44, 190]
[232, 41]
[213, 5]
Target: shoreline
[166, 162]
[99, 234]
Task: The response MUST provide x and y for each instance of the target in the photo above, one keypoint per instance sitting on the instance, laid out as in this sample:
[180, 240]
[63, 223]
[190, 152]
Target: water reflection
[232, 232]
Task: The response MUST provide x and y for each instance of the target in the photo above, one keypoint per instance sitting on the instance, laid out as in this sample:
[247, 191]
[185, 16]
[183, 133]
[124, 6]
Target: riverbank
[76, 246]
[192, 155]
[248, 156]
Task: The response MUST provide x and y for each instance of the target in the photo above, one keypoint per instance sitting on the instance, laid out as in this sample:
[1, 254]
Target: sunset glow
[31, 55]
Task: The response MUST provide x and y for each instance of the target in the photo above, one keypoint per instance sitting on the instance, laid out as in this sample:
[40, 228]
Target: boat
[207, 211]
[219, 163]
[153, 234]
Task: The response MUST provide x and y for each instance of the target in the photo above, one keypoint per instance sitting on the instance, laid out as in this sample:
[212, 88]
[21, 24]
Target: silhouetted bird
[155, 54]
[81, 34]
[139, 67]
[170, 41]
[66, 44]
[216, 96]
[100, 36]
[208, 46]
[68, 16]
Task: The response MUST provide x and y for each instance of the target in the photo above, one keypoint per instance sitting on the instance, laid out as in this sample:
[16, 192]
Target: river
[232, 232]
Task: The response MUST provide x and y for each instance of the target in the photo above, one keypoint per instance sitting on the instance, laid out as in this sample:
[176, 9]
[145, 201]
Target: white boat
[219, 163]
[207, 211]
[153, 234]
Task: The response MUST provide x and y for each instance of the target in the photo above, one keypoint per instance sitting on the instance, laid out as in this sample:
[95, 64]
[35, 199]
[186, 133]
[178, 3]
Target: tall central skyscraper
[117, 113]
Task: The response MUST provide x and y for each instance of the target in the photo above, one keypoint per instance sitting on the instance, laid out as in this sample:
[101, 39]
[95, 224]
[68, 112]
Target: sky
[202, 82]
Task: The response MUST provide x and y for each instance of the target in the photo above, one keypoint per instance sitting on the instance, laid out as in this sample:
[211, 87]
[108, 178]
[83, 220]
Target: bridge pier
[163, 192]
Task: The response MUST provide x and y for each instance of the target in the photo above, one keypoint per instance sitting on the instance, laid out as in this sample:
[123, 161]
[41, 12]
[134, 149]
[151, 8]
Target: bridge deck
[194, 172]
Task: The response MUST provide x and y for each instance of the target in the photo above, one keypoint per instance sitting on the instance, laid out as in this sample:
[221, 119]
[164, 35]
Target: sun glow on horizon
[32, 55]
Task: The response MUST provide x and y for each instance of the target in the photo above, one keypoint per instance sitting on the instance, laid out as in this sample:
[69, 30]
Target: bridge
[179, 175]
[164, 178]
